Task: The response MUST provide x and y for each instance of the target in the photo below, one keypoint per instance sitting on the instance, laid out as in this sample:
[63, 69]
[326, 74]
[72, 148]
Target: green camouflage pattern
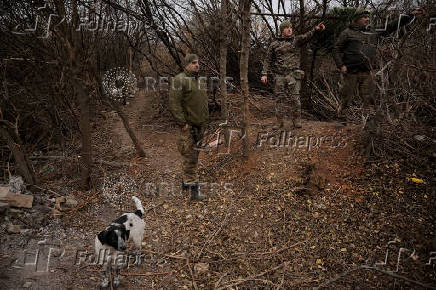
[283, 62]
[283, 54]
[188, 100]
[287, 92]
[187, 147]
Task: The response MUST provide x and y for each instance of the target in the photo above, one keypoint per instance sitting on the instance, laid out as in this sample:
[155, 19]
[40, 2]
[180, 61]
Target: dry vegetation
[284, 218]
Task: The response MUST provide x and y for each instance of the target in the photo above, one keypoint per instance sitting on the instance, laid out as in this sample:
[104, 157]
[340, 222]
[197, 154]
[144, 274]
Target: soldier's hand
[320, 27]
[186, 127]
[264, 79]
[418, 11]
[343, 69]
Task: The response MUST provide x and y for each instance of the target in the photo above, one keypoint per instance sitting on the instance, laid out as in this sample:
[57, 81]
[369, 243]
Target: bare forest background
[356, 216]
[54, 55]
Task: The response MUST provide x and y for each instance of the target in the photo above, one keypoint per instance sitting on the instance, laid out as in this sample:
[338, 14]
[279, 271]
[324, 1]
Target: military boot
[185, 186]
[196, 194]
[287, 125]
[279, 123]
[296, 119]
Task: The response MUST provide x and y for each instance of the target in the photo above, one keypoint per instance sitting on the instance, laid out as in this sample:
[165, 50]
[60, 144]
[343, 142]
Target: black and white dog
[111, 243]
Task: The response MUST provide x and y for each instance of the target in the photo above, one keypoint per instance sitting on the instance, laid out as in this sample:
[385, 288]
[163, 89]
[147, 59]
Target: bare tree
[245, 52]
[223, 57]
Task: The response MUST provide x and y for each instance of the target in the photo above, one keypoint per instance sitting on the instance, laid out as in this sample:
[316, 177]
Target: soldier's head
[190, 63]
[286, 29]
[361, 17]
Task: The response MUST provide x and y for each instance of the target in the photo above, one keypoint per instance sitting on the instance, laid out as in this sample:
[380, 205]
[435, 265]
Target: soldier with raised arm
[283, 62]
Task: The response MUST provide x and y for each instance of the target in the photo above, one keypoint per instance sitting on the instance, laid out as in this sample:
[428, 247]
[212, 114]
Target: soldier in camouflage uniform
[283, 62]
[354, 53]
[188, 103]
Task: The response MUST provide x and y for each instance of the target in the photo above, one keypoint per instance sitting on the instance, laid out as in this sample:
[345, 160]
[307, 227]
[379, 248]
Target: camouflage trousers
[287, 92]
[359, 83]
[187, 145]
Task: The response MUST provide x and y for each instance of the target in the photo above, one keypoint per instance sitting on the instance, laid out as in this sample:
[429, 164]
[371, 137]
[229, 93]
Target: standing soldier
[283, 61]
[188, 103]
[354, 53]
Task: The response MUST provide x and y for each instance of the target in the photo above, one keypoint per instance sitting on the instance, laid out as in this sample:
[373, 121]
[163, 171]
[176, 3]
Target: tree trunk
[304, 93]
[85, 162]
[129, 130]
[20, 157]
[243, 65]
[223, 58]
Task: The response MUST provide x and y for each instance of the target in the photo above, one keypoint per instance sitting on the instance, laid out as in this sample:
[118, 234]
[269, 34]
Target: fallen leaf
[319, 262]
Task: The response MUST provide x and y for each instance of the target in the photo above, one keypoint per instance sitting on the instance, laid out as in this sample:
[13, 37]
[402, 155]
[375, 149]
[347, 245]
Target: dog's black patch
[111, 236]
[102, 237]
[121, 220]
[112, 239]
[138, 213]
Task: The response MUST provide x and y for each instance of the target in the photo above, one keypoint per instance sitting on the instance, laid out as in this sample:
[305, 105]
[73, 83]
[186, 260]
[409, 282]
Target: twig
[153, 207]
[367, 267]
[147, 274]
[398, 276]
[274, 252]
[194, 285]
[83, 204]
[214, 234]
[97, 161]
[253, 277]
[220, 279]
[165, 255]
[46, 189]
[343, 274]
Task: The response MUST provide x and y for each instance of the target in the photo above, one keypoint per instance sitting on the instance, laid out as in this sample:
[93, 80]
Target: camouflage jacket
[283, 54]
[188, 100]
[356, 46]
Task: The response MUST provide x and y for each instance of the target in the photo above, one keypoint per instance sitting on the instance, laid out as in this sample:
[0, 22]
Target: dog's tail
[139, 209]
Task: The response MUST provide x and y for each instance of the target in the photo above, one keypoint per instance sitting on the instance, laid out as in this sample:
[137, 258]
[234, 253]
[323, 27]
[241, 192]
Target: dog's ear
[125, 233]
[102, 237]
[138, 213]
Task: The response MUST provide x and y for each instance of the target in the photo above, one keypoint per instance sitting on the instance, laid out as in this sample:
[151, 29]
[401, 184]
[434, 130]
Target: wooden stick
[83, 204]
[138, 274]
[398, 276]
[294, 15]
[147, 274]
[252, 277]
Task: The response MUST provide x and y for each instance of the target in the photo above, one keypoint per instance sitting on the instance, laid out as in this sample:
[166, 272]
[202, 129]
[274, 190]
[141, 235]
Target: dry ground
[289, 217]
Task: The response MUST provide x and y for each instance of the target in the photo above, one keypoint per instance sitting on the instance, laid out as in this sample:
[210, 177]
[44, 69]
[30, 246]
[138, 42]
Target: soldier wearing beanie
[188, 103]
[283, 62]
[354, 53]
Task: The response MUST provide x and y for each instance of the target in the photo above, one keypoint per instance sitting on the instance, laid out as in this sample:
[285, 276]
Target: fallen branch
[214, 234]
[153, 207]
[138, 274]
[392, 274]
[148, 274]
[46, 189]
[367, 267]
[165, 255]
[97, 161]
[83, 204]
[254, 277]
